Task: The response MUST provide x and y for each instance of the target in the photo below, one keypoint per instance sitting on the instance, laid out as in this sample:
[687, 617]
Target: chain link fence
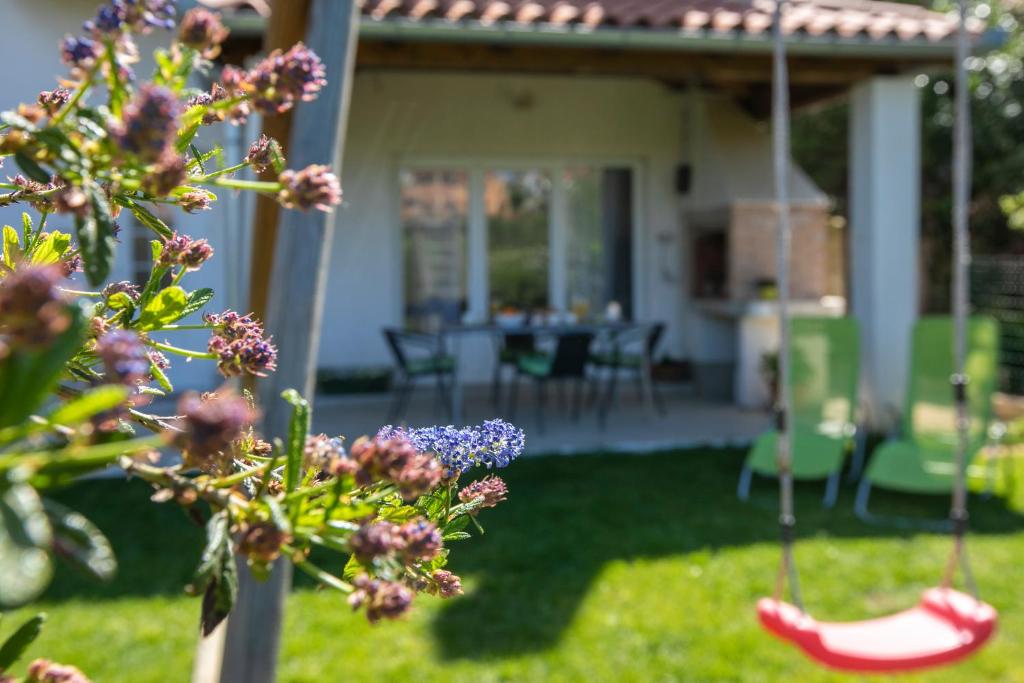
[997, 289]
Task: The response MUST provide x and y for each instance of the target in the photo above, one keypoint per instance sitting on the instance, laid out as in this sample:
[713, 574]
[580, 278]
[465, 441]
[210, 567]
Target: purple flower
[420, 540]
[262, 541]
[131, 15]
[123, 287]
[194, 201]
[45, 671]
[240, 346]
[208, 426]
[53, 100]
[184, 251]
[168, 173]
[382, 599]
[446, 584]
[124, 357]
[314, 187]
[264, 154]
[495, 443]
[396, 460]
[202, 30]
[282, 79]
[375, 539]
[33, 311]
[80, 52]
[492, 490]
[148, 123]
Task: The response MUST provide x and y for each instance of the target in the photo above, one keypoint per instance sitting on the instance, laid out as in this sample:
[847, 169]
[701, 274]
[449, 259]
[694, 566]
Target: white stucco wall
[398, 117]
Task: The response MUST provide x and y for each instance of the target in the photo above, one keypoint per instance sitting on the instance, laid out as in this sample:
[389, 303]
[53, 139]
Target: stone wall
[752, 250]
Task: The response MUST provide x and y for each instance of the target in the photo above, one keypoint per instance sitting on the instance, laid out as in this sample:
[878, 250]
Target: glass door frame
[478, 279]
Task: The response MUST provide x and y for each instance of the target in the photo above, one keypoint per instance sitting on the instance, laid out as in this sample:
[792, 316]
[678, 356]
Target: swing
[947, 625]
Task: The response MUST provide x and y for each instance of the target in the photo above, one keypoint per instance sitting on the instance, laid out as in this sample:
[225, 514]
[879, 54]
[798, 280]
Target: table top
[542, 328]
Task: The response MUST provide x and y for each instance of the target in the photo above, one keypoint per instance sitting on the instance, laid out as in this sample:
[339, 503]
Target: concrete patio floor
[688, 420]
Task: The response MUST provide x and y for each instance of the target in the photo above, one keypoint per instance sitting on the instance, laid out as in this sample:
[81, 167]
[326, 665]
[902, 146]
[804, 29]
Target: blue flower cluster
[495, 443]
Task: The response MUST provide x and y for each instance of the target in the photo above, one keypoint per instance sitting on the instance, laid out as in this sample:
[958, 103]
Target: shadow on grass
[568, 517]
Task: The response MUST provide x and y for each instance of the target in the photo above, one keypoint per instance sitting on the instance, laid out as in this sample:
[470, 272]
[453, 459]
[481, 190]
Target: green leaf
[95, 234]
[217, 575]
[12, 248]
[80, 542]
[456, 536]
[27, 376]
[30, 168]
[164, 308]
[298, 427]
[16, 644]
[146, 217]
[52, 248]
[196, 300]
[161, 377]
[353, 568]
[25, 536]
[120, 301]
[91, 403]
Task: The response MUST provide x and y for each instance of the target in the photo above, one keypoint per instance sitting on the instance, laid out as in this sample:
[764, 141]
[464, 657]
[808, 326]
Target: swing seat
[945, 627]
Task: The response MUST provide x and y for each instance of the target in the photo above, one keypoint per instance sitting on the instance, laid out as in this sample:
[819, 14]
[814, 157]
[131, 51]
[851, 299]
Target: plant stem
[181, 352]
[215, 174]
[196, 326]
[76, 98]
[236, 184]
[317, 573]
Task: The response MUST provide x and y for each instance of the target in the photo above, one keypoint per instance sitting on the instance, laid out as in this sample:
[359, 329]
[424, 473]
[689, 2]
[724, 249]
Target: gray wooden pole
[297, 288]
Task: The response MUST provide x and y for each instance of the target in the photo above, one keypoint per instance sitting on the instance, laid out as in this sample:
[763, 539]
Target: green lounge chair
[922, 459]
[824, 365]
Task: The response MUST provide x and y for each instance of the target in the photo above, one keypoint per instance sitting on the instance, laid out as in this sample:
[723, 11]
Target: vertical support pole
[885, 232]
[295, 307]
[780, 159]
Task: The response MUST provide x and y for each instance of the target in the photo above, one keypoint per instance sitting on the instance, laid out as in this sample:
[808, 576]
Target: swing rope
[780, 154]
[958, 514]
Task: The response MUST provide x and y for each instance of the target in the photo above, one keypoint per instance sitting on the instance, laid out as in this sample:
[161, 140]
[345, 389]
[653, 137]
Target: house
[562, 155]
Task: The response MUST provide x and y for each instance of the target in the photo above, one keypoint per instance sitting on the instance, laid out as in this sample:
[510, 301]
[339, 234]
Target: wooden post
[301, 253]
[287, 28]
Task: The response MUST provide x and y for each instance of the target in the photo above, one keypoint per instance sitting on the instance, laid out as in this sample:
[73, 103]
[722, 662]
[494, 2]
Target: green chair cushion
[815, 455]
[430, 366]
[908, 466]
[535, 364]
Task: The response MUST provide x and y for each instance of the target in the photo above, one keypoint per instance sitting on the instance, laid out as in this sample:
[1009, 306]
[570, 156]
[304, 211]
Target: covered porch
[477, 124]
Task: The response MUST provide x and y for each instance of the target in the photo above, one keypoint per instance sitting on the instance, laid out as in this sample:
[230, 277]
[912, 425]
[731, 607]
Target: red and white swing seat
[944, 627]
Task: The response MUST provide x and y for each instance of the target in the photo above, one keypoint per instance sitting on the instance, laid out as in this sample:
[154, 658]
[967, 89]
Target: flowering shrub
[79, 368]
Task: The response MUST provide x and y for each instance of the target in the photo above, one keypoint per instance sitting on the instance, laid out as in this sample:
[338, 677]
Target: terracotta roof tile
[875, 19]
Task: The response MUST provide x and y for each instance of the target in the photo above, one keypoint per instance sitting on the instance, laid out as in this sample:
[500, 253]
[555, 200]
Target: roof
[860, 25]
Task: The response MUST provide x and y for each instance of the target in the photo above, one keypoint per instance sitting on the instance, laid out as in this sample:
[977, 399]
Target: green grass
[599, 568]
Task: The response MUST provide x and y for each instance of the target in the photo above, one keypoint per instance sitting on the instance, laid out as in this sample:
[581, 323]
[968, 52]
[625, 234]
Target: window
[541, 237]
[518, 205]
[434, 221]
[600, 239]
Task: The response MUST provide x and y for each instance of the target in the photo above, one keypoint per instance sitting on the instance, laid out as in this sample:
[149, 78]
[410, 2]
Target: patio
[690, 421]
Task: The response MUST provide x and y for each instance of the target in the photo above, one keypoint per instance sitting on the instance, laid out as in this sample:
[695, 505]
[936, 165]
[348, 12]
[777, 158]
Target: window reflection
[434, 211]
[518, 206]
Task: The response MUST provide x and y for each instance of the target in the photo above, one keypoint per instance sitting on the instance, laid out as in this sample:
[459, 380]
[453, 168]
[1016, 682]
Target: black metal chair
[419, 355]
[567, 362]
[631, 350]
[512, 347]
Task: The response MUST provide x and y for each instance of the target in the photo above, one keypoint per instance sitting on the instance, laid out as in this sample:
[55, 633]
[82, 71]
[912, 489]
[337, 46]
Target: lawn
[599, 568]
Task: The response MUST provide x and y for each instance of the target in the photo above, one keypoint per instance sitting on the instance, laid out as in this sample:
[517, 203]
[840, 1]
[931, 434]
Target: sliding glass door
[531, 238]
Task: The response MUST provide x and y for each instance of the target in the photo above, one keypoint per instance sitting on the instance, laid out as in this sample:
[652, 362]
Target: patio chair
[630, 350]
[823, 369]
[512, 346]
[922, 458]
[419, 355]
[567, 362]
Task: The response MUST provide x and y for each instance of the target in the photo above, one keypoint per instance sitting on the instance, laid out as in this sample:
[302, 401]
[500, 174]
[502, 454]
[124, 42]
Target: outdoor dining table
[452, 335]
